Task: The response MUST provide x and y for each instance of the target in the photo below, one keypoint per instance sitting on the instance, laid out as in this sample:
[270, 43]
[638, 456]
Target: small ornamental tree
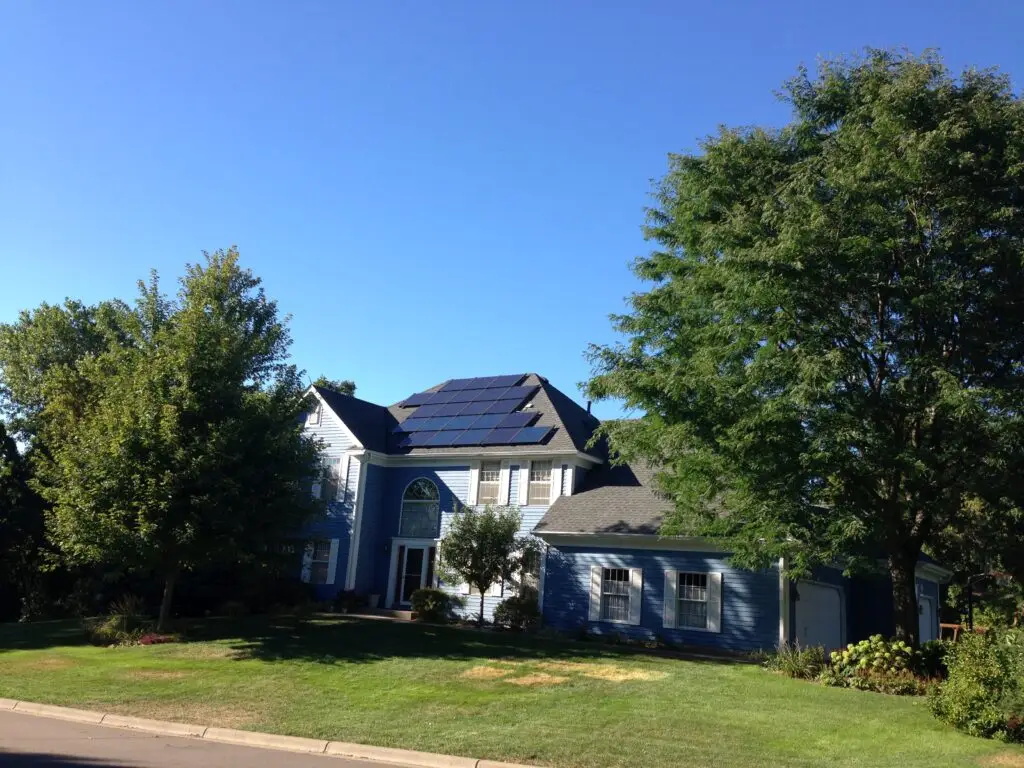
[483, 548]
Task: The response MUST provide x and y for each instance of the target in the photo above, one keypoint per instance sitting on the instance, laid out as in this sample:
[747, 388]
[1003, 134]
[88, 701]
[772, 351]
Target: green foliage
[348, 601]
[171, 429]
[125, 623]
[482, 548]
[519, 612]
[434, 605]
[21, 534]
[799, 663]
[878, 654]
[828, 357]
[885, 666]
[342, 386]
[984, 693]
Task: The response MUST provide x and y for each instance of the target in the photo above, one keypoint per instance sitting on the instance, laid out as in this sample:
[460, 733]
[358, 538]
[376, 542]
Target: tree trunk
[902, 569]
[480, 619]
[165, 605]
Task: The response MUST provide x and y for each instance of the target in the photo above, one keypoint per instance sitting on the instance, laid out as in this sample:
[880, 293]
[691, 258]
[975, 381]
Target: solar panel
[416, 439]
[463, 395]
[425, 410]
[518, 419]
[529, 435]
[483, 395]
[508, 381]
[409, 425]
[455, 385]
[450, 409]
[475, 408]
[417, 399]
[500, 436]
[522, 392]
[441, 397]
[461, 422]
[444, 437]
[471, 437]
[502, 406]
[490, 421]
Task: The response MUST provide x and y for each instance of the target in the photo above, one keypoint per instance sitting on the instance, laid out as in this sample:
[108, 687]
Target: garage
[819, 615]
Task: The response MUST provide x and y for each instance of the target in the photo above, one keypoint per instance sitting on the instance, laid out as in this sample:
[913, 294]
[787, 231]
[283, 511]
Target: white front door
[412, 569]
[819, 615]
[927, 628]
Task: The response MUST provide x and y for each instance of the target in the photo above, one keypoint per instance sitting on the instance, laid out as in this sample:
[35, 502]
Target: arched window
[421, 510]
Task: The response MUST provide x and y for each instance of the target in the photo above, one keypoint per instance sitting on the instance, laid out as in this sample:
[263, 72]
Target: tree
[21, 525]
[183, 447]
[482, 548]
[341, 386]
[830, 358]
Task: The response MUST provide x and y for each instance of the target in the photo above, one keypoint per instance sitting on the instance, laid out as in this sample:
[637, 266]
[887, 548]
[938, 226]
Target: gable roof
[369, 422]
[612, 499]
[572, 424]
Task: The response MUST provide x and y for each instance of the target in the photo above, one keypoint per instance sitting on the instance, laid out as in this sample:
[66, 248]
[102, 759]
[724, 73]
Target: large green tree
[181, 445]
[342, 386]
[21, 526]
[830, 357]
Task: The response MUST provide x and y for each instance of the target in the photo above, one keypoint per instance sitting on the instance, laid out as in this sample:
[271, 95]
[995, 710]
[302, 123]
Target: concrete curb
[255, 739]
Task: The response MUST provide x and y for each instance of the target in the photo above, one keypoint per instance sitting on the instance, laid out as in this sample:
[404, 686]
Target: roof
[370, 423]
[612, 499]
[373, 425]
[573, 426]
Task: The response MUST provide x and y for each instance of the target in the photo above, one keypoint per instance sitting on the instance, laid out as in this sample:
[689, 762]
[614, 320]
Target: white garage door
[928, 624]
[819, 615]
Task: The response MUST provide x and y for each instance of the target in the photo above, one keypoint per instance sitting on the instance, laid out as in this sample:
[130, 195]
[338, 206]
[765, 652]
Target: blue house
[395, 475]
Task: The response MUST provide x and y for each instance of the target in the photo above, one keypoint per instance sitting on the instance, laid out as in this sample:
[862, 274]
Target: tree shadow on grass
[41, 634]
[331, 640]
[36, 760]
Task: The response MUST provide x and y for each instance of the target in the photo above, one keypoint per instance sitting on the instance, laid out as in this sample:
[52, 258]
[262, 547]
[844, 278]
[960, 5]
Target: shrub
[796, 662]
[877, 655]
[152, 638]
[233, 608]
[434, 605]
[519, 612]
[347, 601]
[886, 666]
[984, 693]
[933, 659]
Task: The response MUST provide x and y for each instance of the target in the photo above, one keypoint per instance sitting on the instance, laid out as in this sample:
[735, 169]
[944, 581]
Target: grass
[495, 696]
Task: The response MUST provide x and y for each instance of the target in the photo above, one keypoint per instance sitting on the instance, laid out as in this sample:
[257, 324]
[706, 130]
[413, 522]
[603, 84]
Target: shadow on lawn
[41, 634]
[354, 640]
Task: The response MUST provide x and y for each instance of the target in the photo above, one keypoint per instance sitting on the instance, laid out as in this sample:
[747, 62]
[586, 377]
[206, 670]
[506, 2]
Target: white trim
[524, 482]
[670, 609]
[474, 482]
[629, 541]
[503, 482]
[569, 482]
[784, 604]
[325, 408]
[596, 578]
[933, 572]
[357, 525]
[714, 603]
[636, 595]
[842, 606]
[332, 562]
[401, 499]
[396, 543]
[556, 483]
[457, 460]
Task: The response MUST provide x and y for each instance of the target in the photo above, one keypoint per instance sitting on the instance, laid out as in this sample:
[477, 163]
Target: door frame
[396, 544]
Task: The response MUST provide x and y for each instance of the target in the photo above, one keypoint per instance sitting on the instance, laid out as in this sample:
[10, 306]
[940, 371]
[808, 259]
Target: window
[693, 601]
[421, 509]
[320, 562]
[313, 417]
[326, 486]
[540, 483]
[490, 480]
[615, 594]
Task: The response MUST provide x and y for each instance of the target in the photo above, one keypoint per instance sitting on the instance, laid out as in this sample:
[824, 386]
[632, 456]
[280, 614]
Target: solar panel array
[466, 412]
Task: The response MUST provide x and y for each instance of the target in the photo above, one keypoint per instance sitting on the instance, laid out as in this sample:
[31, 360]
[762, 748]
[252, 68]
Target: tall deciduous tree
[482, 548]
[831, 357]
[21, 526]
[183, 446]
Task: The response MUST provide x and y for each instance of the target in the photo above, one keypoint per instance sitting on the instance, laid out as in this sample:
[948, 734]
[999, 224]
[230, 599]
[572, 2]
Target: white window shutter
[524, 483]
[714, 602]
[670, 620]
[636, 588]
[595, 592]
[332, 563]
[464, 588]
[474, 481]
[503, 485]
[307, 562]
[495, 589]
[556, 483]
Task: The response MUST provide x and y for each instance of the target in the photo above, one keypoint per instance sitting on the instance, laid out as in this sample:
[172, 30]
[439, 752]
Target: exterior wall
[750, 600]
[337, 521]
[367, 549]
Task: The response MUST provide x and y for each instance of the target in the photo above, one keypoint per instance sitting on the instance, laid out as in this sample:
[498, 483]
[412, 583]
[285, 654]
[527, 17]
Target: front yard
[483, 695]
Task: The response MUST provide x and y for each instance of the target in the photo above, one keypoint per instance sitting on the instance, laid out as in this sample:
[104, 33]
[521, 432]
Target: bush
[519, 612]
[232, 608]
[796, 662]
[886, 666]
[126, 623]
[347, 601]
[877, 655]
[984, 693]
[933, 659]
[434, 605]
[152, 638]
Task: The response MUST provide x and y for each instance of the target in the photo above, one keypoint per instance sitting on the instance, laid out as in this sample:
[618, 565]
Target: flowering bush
[152, 638]
[886, 666]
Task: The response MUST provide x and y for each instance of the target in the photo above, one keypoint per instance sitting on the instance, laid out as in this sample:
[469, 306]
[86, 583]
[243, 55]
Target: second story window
[540, 483]
[421, 510]
[313, 417]
[490, 480]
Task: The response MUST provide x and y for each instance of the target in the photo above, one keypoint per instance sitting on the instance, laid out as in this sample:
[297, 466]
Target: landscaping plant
[434, 605]
[519, 612]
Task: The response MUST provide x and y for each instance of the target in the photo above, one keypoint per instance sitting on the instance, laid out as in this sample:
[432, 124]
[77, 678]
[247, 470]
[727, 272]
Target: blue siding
[367, 549]
[750, 600]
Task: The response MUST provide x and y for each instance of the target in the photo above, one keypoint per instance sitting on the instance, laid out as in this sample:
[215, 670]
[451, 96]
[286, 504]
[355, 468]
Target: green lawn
[483, 695]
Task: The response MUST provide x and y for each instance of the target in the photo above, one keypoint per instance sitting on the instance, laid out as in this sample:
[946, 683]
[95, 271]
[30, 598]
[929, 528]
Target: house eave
[628, 541]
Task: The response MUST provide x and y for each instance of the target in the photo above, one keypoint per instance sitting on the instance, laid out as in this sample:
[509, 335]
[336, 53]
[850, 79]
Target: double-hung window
[490, 481]
[615, 594]
[320, 562]
[313, 417]
[693, 601]
[539, 492]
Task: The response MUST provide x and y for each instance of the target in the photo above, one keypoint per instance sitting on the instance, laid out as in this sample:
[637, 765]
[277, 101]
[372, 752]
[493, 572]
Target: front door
[415, 570]
[926, 624]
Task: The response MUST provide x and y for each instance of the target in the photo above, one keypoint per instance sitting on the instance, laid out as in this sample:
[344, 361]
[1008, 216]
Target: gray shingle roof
[612, 499]
[573, 426]
[369, 422]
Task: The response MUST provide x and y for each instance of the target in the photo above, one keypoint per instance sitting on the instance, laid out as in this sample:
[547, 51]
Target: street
[27, 740]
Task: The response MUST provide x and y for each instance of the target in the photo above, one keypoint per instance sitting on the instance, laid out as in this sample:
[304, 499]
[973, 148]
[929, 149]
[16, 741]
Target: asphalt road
[42, 742]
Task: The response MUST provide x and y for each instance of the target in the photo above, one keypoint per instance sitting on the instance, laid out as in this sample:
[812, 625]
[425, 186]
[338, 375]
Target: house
[394, 476]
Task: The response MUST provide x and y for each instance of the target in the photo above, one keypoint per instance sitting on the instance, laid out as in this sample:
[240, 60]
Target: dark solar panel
[523, 392]
[417, 399]
[425, 410]
[450, 409]
[471, 437]
[489, 421]
[475, 408]
[439, 398]
[508, 381]
[444, 437]
[518, 419]
[500, 436]
[483, 395]
[409, 425]
[530, 435]
[455, 384]
[462, 395]
[417, 439]
[502, 406]
[461, 422]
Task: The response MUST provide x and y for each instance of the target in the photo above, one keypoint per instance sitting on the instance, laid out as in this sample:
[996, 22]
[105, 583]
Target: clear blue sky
[430, 189]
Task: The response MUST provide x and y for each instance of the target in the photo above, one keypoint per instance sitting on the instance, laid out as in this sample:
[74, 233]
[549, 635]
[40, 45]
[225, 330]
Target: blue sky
[431, 189]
